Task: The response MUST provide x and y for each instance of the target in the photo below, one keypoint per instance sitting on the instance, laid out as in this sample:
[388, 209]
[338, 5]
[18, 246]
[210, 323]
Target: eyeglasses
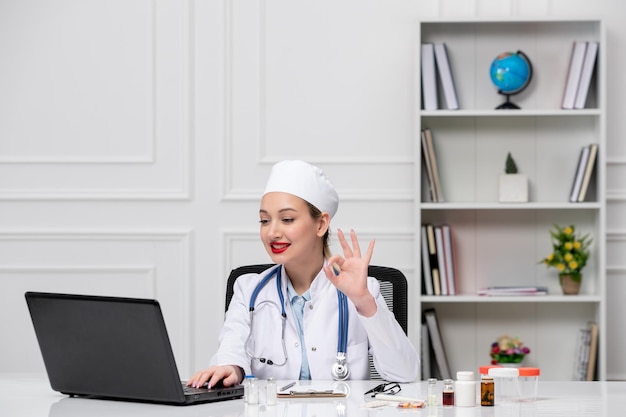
[390, 388]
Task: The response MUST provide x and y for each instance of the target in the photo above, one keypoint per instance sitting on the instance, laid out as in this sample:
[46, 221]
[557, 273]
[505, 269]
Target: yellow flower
[577, 245]
[573, 265]
[550, 257]
[568, 257]
[561, 267]
[568, 230]
[568, 245]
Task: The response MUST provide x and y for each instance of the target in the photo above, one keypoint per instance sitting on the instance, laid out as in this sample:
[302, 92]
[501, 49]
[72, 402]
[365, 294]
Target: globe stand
[507, 105]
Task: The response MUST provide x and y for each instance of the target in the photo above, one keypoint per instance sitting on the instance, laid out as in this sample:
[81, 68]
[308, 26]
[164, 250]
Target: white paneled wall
[136, 137]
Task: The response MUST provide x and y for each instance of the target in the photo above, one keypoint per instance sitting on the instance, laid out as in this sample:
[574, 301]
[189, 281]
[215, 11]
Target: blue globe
[510, 72]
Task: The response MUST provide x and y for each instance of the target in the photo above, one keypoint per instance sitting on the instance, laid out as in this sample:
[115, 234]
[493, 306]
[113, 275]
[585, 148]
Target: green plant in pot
[569, 255]
[513, 186]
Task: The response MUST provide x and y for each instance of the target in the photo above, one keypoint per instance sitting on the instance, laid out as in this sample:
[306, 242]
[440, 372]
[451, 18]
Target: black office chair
[393, 287]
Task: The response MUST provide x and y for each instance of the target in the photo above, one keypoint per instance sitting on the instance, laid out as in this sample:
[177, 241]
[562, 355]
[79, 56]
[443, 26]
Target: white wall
[136, 136]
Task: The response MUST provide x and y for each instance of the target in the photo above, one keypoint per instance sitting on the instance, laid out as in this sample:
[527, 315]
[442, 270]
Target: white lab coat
[394, 356]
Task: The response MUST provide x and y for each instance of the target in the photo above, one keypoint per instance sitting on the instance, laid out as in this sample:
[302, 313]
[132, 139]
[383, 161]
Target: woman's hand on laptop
[227, 375]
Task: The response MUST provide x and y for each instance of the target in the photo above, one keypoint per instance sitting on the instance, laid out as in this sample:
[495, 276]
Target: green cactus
[510, 167]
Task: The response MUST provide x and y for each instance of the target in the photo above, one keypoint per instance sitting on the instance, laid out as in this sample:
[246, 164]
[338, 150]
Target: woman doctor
[321, 335]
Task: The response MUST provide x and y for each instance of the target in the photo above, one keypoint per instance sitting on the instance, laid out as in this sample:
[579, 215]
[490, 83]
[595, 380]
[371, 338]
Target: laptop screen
[105, 346]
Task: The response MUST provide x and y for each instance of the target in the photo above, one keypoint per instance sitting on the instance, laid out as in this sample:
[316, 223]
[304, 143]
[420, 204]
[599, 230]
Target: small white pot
[513, 188]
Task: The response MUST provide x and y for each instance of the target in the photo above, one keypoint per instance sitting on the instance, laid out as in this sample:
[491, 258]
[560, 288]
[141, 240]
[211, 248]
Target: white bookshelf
[502, 243]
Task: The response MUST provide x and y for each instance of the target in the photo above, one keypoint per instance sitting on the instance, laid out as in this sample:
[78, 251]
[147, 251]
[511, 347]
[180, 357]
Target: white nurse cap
[305, 181]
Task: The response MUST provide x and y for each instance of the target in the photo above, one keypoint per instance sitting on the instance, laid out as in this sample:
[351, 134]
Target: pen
[387, 397]
[286, 387]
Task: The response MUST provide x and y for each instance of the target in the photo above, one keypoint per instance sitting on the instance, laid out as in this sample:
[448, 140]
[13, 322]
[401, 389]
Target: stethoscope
[339, 370]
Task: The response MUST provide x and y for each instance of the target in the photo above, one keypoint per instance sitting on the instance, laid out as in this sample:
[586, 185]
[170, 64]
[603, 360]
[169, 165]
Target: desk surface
[22, 396]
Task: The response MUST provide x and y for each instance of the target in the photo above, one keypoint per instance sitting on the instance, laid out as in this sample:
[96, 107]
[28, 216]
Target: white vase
[513, 188]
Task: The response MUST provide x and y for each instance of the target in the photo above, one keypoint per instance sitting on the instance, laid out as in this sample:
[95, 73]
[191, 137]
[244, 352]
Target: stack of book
[431, 167]
[435, 61]
[581, 68]
[584, 171]
[438, 260]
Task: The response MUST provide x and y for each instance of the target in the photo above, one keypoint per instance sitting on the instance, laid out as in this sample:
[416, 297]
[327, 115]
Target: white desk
[32, 397]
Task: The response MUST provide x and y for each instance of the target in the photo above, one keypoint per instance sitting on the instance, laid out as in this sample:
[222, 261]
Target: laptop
[113, 348]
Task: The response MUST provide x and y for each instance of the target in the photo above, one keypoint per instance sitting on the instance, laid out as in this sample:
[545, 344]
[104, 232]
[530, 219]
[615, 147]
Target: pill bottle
[505, 381]
[431, 398]
[465, 389]
[487, 391]
[528, 383]
[447, 396]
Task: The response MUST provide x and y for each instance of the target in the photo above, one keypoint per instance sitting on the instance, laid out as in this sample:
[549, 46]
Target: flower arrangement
[569, 253]
[508, 350]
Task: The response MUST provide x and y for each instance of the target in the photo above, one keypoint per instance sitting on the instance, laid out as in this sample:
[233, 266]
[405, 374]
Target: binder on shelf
[448, 244]
[433, 162]
[591, 163]
[580, 173]
[429, 77]
[588, 66]
[574, 73]
[426, 271]
[445, 76]
[441, 261]
[436, 339]
[432, 256]
[428, 167]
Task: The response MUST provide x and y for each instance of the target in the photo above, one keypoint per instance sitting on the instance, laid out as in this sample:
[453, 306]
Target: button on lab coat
[394, 356]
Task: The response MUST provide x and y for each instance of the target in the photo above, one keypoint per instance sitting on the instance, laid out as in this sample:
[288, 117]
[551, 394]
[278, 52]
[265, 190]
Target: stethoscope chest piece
[339, 370]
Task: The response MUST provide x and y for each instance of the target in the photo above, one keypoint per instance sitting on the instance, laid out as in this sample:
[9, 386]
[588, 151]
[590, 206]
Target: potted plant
[508, 350]
[569, 255]
[513, 186]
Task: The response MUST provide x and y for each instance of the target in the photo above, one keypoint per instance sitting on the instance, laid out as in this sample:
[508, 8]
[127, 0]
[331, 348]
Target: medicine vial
[246, 383]
[253, 391]
[465, 389]
[487, 391]
[447, 398]
[270, 389]
[431, 398]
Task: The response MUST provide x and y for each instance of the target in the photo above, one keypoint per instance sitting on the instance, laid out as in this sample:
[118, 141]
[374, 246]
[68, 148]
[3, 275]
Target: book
[426, 352]
[433, 161]
[441, 261]
[432, 256]
[574, 73]
[445, 76]
[592, 357]
[429, 77]
[513, 290]
[591, 162]
[428, 167]
[580, 173]
[580, 367]
[427, 279]
[450, 258]
[436, 339]
[589, 64]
